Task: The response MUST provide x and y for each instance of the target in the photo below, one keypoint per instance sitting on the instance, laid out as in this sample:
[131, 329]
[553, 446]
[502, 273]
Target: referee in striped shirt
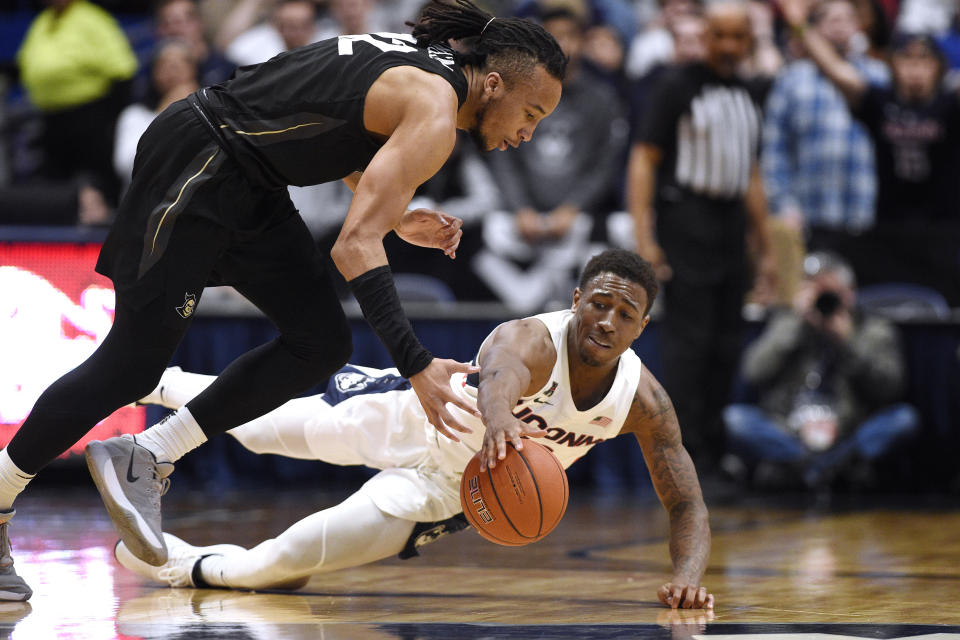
[694, 163]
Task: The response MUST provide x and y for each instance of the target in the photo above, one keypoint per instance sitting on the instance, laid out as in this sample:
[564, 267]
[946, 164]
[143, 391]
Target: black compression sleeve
[377, 295]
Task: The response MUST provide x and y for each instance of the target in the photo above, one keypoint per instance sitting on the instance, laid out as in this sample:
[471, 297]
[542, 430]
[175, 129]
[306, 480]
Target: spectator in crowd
[173, 75]
[827, 376]
[604, 54]
[292, 24]
[687, 33]
[655, 44]
[75, 64]
[618, 15]
[359, 16]
[876, 24]
[950, 45]
[915, 126]
[552, 185]
[926, 16]
[182, 20]
[818, 162]
[694, 164]
[765, 59]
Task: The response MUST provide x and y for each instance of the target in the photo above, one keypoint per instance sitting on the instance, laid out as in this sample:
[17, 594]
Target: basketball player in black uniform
[208, 205]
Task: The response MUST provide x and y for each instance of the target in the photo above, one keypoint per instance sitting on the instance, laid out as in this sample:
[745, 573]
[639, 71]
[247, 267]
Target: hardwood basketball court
[864, 568]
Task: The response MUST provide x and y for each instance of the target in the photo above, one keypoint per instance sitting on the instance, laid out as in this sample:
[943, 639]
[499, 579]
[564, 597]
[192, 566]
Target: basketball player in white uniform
[568, 378]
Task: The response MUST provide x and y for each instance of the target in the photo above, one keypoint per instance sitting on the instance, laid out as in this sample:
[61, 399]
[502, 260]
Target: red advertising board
[54, 311]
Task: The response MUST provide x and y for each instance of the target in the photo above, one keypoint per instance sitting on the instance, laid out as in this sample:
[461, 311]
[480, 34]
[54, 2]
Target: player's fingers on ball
[501, 446]
[484, 456]
[490, 453]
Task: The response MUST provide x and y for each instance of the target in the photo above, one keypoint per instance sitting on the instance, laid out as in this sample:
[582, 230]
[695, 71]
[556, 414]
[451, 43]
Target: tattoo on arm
[675, 480]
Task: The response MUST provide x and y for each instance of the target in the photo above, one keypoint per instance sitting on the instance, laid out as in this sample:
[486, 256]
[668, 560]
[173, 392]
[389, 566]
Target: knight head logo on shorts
[189, 304]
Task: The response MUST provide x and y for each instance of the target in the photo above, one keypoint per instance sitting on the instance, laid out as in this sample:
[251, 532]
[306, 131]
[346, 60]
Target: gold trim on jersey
[153, 246]
[267, 133]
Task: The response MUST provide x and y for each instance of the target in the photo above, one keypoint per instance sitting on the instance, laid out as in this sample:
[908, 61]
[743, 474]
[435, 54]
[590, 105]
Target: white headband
[487, 25]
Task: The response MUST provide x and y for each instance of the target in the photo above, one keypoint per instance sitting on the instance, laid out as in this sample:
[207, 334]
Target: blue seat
[417, 287]
[903, 301]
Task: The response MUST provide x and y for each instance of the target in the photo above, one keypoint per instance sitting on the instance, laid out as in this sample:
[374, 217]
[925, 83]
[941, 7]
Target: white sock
[171, 438]
[177, 387]
[13, 480]
[211, 570]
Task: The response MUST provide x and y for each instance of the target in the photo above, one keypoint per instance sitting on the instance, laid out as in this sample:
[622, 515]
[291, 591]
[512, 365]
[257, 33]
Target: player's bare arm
[416, 113]
[516, 361]
[423, 227]
[653, 421]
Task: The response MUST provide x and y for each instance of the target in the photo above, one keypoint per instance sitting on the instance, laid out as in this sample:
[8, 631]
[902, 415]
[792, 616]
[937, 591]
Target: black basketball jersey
[297, 119]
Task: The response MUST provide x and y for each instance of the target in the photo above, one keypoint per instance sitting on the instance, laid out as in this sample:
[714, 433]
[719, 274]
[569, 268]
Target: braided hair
[513, 46]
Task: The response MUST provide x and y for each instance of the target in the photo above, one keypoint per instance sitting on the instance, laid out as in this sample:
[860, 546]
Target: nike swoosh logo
[130, 476]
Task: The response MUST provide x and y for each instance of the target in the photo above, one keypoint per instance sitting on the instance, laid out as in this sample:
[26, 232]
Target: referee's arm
[641, 183]
[756, 202]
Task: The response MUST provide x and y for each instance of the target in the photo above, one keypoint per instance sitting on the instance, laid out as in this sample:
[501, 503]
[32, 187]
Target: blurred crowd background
[803, 230]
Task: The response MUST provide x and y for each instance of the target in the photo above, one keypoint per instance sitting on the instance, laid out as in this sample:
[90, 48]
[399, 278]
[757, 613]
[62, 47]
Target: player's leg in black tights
[123, 369]
[292, 287]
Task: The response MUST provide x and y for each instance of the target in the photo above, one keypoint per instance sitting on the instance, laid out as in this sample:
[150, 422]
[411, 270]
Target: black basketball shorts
[190, 219]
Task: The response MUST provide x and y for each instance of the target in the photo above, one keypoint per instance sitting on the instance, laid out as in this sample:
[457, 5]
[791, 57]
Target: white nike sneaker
[131, 480]
[156, 396]
[182, 557]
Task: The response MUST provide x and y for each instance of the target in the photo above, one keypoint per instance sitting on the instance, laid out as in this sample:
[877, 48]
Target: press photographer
[827, 377]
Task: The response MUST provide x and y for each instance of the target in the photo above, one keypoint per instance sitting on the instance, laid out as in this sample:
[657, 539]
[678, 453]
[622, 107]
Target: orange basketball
[520, 500]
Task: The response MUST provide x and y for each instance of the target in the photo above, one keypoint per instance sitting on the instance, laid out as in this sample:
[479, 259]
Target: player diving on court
[572, 368]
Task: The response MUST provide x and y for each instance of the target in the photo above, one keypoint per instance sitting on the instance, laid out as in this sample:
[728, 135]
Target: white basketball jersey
[570, 431]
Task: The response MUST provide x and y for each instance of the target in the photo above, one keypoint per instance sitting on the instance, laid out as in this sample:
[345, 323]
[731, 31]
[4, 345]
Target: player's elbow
[349, 251]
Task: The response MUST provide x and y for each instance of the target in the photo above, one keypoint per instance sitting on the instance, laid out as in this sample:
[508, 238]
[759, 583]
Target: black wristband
[377, 295]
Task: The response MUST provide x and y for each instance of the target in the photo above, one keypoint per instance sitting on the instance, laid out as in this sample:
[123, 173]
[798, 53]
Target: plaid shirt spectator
[816, 157]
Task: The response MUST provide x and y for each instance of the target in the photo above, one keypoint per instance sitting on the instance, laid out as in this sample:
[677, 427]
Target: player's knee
[252, 438]
[322, 355]
[135, 381]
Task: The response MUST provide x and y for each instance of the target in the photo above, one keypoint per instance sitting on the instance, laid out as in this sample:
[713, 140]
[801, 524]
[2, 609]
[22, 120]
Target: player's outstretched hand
[432, 386]
[498, 431]
[431, 229]
[678, 595]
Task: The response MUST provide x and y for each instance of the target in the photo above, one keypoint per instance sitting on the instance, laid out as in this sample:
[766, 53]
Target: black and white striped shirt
[707, 129]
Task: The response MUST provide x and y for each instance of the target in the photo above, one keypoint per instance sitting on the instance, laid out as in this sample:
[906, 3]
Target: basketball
[520, 500]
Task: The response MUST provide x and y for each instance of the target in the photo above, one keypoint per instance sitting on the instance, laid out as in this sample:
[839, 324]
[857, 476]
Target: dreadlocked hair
[511, 46]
